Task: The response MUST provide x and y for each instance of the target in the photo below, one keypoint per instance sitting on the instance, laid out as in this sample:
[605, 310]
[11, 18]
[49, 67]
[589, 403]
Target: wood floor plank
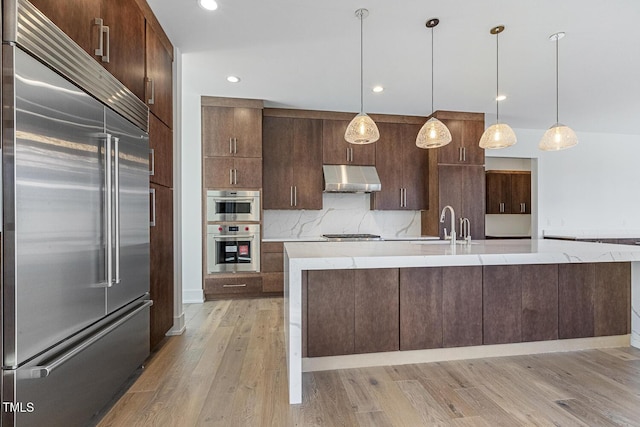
[229, 369]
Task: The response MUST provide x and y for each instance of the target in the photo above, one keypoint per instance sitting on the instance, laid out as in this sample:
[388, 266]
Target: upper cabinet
[161, 152]
[158, 87]
[111, 31]
[337, 151]
[292, 159]
[466, 130]
[508, 192]
[402, 167]
[231, 131]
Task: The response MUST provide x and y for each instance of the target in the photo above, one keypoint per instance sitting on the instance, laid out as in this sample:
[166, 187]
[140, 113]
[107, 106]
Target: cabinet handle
[501, 207]
[351, 148]
[152, 191]
[235, 176]
[99, 23]
[233, 285]
[347, 150]
[405, 197]
[235, 145]
[523, 207]
[105, 58]
[464, 154]
[152, 161]
[152, 99]
[295, 195]
[230, 145]
[230, 176]
[459, 154]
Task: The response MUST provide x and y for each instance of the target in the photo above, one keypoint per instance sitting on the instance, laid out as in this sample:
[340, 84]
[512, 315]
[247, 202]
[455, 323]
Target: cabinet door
[612, 299]
[461, 306]
[247, 132]
[473, 199]
[415, 170]
[389, 164]
[450, 193]
[161, 142]
[330, 312]
[277, 158]
[521, 193]
[539, 302]
[473, 154]
[498, 187]
[218, 172]
[376, 310]
[159, 85]
[451, 153]
[76, 18]
[463, 148]
[247, 173]
[337, 151]
[127, 45]
[307, 163]
[217, 131]
[576, 291]
[502, 304]
[420, 308]
[161, 264]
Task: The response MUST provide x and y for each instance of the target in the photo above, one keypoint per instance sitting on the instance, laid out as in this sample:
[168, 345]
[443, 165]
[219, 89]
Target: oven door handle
[238, 237]
[232, 199]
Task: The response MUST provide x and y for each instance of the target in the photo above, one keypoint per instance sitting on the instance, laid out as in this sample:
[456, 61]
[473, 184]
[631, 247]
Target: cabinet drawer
[272, 262]
[233, 285]
[272, 247]
[272, 282]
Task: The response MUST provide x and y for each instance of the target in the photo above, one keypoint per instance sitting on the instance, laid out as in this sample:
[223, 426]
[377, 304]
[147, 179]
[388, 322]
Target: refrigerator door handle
[44, 370]
[109, 213]
[116, 198]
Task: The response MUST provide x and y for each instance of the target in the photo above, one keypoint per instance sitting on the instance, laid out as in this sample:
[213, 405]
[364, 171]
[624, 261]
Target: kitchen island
[596, 286]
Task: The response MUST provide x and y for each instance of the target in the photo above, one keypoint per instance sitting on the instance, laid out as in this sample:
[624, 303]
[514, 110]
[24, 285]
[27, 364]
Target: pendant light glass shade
[499, 135]
[362, 129]
[433, 133]
[558, 137]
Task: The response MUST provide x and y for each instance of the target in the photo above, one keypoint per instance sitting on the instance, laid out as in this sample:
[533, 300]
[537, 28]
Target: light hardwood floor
[229, 369]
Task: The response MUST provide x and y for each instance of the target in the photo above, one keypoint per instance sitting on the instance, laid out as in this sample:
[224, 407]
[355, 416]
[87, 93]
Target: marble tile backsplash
[341, 213]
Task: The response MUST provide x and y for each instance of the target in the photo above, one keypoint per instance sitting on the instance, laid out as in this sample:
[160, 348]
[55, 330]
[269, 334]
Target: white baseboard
[178, 326]
[195, 296]
[459, 353]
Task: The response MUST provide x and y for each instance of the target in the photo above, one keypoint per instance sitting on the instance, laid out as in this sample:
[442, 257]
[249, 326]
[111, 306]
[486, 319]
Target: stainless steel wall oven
[232, 205]
[233, 248]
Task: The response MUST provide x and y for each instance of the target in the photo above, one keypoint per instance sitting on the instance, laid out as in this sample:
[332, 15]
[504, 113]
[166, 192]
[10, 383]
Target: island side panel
[462, 306]
[293, 327]
[635, 304]
[420, 308]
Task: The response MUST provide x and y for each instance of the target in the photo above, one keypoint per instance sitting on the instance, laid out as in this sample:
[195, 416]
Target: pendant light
[499, 135]
[433, 133]
[558, 137]
[362, 129]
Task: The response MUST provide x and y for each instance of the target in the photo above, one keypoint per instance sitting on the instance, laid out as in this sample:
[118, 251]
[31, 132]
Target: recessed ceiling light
[501, 97]
[378, 89]
[233, 79]
[208, 4]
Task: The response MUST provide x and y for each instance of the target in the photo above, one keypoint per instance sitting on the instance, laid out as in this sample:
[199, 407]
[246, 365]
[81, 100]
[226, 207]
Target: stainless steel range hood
[350, 179]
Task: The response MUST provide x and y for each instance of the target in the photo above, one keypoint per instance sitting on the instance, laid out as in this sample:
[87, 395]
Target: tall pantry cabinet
[125, 37]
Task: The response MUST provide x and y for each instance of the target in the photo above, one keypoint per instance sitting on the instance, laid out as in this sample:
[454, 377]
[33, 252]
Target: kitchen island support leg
[635, 304]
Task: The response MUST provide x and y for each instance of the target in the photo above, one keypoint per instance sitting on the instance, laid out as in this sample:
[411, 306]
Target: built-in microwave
[233, 248]
[231, 205]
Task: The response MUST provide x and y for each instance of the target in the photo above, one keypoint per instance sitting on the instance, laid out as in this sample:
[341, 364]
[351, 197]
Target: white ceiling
[305, 54]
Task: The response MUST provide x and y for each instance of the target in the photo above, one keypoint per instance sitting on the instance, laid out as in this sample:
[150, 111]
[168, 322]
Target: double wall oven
[233, 231]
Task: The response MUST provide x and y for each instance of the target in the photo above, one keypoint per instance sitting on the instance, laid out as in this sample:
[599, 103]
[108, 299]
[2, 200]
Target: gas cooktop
[350, 237]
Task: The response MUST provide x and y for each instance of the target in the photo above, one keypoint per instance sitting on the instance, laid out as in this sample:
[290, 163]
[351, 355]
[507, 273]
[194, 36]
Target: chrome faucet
[451, 236]
[465, 230]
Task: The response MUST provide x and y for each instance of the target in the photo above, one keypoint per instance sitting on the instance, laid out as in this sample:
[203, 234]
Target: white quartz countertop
[322, 239]
[592, 234]
[388, 254]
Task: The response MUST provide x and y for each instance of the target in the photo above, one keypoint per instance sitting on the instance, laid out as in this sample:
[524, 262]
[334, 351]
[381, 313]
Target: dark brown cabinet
[292, 159]
[229, 172]
[502, 304]
[508, 192]
[161, 268]
[461, 306]
[231, 132]
[272, 267]
[161, 152]
[337, 151]
[463, 187]
[420, 308]
[612, 295]
[402, 167]
[466, 130]
[158, 81]
[352, 311]
[539, 301]
[576, 292]
[111, 31]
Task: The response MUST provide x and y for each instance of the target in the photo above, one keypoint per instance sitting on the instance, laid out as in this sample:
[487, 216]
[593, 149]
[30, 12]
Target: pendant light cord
[361, 61]
[431, 70]
[557, 83]
[497, 79]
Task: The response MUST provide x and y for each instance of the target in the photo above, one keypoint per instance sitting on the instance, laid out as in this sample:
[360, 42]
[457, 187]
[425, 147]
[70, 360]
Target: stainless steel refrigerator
[75, 228]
